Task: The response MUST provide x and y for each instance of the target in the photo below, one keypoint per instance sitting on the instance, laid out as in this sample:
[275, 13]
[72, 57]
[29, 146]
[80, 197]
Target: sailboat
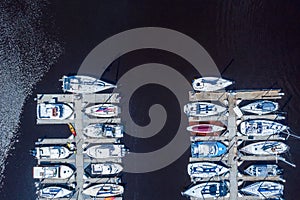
[207, 190]
[261, 127]
[208, 84]
[265, 148]
[261, 107]
[205, 169]
[84, 84]
[199, 109]
[263, 170]
[53, 192]
[265, 189]
[104, 131]
[104, 190]
[103, 110]
[207, 149]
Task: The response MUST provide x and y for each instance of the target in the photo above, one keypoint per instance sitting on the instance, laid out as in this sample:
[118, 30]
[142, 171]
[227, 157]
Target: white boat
[265, 189]
[206, 84]
[103, 131]
[104, 190]
[265, 148]
[51, 152]
[103, 110]
[106, 151]
[261, 127]
[106, 168]
[205, 170]
[263, 170]
[199, 109]
[205, 128]
[84, 84]
[53, 172]
[53, 192]
[207, 149]
[207, 190]
[54, 111]
[261, 107]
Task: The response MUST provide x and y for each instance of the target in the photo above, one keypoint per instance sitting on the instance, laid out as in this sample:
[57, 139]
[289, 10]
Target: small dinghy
[261, 107]
[54, 111]
[51, 152]
[205, 128]
[207, 190]
[103, 110]
[208, 84]
[199, 109]
[207, 149]
[53, 192]
[84, 84]
[106, 151]
[104, 169]
[205, 169]
[265, 189]
[104, 190]
[265, 148]
[261, 127]
[53, 172]
[263, 170]
[104, 131]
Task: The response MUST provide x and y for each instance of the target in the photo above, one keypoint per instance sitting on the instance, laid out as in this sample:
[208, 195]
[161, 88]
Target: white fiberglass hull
[106, 151]
[261, 127]
[205, 170]
[207, 190]
[265, 189]
[84, 84]
[53, 172]
[57, 111]
[265, 148]
[208, 84]
[261, 107]
[103, 110]
[104, 190]
[200, 109]
[53, 192]
[103, 131]
[52, 152]
[106, 168]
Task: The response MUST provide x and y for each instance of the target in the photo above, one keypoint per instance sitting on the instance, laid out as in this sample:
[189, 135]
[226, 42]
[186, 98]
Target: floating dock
[232, 138]
[79, 120]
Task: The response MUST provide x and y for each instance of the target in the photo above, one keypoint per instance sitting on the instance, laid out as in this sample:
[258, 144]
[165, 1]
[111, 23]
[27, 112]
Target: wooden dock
[79, 120]
[232, 138]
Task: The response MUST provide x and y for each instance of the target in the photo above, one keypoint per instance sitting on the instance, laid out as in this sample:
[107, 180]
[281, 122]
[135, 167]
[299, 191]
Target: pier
[79, 159]
[233, 139]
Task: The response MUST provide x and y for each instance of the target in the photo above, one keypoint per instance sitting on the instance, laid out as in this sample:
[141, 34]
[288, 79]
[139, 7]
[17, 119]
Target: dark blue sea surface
[263, 38]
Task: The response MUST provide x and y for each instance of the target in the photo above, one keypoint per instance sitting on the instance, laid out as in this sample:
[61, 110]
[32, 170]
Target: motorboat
[208, 84]
[205, 169]
[261, 127]
[51, 152]
[104, 190]
[207, 190]
[106, 151]
[53, 172]
[84, 84]
[200, 109]
[207, 149]
[263, 170]
[104, 169]
[54, 111]
[205, 128]
[104, 131]
[261, 107]
[265, 148]
[103, 110]
[53, 192]
[265, 189]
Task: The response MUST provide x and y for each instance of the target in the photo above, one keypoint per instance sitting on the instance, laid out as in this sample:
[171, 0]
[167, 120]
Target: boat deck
[79, 120]
[232, 138]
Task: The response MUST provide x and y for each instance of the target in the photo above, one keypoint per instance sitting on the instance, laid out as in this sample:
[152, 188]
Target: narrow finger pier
[88, 164]
[237, 142]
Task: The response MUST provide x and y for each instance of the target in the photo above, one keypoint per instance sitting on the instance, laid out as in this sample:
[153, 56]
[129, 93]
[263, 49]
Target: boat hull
[58, 111]
[265, 189]
[104, 131]
[207, 190]
[104, 190]
[205, 128]
[265, 148]
[207, 149]
[200, 109]
[104, 169]
[261, 107]
[103, 110]
[53, 192]
[205, 170]
[84, 84]
[52, 152]
[263, 170]
[52, 172]
[261, 127]
[208, 84]
[106, 151]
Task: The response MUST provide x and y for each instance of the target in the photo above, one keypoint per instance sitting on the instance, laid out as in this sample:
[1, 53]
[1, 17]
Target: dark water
[261, 36]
